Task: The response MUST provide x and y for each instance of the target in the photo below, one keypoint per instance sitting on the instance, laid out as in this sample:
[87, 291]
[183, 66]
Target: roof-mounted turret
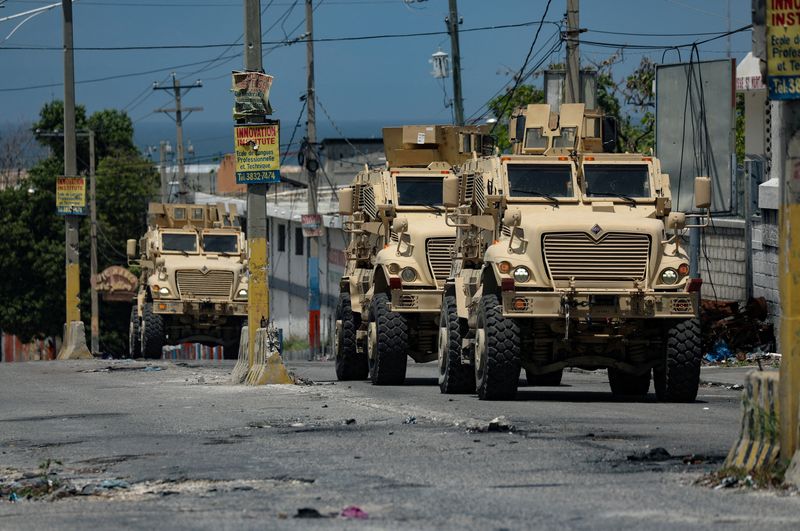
[169, 215]
[536, 130]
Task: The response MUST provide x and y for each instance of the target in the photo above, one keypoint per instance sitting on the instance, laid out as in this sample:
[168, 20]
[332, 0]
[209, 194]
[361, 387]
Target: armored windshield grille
[506, 231]
[615, 256]
[480, 199]
[440, 252]
[365, 195]
[467, 183]
[393, 236]
[193, 284]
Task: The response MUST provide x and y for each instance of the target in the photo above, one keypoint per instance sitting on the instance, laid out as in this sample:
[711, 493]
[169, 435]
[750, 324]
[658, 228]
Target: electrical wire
[143, 47]
[336, 127]
[524, 65]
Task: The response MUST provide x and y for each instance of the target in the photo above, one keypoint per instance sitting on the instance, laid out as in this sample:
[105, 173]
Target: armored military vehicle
[567, 256]
[193, 285]
[399, 252]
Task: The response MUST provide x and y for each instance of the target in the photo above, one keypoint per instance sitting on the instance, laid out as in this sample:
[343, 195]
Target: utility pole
[74, 344]
[312, 164]
[95, 326]
[573, 82]
[162, 170]
[258, 296]
[179, 91]
[453, 22]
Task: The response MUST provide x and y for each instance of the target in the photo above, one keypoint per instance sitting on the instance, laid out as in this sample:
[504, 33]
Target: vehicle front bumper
[600, 305]
[200, 308]
[416, 300]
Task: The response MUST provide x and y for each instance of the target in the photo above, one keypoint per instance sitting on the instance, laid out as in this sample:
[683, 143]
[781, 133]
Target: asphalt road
[196, 452]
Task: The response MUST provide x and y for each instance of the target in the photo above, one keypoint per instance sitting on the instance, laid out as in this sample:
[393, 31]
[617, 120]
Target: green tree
[504, 105]
[636, 92]
[32, 242]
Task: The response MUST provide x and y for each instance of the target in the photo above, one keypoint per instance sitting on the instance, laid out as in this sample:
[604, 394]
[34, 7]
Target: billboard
[257, 151]
[695, 130]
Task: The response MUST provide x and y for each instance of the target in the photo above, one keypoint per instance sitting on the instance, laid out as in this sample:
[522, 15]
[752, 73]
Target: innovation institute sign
[783, 49]
[258, 157]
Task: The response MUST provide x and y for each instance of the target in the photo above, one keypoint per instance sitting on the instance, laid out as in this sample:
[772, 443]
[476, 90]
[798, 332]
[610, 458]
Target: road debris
[497, 425]
[654, 454]
[308, 512]
[349, 422]
[410, 420]
[354, 512]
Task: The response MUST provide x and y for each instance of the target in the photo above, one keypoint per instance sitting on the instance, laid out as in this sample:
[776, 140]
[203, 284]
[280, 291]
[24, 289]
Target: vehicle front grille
[440, 252]
[616, 256]
[193, 284]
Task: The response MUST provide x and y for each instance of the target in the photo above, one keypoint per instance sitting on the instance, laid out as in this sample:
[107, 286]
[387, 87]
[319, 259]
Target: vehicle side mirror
[400, 225]
[702, 192]
[512, 217]
[131, 248]
[346, 201]
[676, 220]
[450, 191]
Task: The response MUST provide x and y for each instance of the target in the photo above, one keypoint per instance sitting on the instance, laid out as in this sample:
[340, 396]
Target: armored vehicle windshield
[419, 191]
[617, 180]
[220, 243]
[540, 180]
[179, 242]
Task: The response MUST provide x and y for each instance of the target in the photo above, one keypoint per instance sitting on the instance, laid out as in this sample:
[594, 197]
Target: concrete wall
[723, 260]
[765, 262]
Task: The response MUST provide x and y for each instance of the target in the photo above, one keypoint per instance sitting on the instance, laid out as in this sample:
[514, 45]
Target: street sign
[71, 196]
[783, 50]
[257, 150]
[312, 225]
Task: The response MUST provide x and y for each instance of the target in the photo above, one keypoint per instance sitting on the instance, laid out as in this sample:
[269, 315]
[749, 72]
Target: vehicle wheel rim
[337, 337]
[444, 341]
[480, 353]
[372, 340]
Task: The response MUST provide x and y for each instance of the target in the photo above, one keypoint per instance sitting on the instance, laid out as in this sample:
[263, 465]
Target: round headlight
[408, 274]
[504, 267]
[521, 274]
[242, 293]
[394, 268]
[164, 291]
[669, 276]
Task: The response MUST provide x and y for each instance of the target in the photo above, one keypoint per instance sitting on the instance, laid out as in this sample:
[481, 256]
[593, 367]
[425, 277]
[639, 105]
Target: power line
[145, 47]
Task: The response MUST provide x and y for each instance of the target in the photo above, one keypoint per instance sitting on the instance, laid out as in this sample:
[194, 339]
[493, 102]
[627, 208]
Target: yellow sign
[258, 156]
[71, 196]
[783, 49]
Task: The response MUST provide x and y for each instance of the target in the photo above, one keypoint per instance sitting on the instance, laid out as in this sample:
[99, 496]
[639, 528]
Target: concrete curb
[758, 446]
[240, 369]
[74, 346]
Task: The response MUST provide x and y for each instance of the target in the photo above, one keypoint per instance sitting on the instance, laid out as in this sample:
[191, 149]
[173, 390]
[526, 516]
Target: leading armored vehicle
[568, 256]
[399, 253]
[193, 285]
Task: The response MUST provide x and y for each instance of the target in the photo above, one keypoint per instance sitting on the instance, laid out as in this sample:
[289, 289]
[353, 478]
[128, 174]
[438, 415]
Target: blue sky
[376, 80]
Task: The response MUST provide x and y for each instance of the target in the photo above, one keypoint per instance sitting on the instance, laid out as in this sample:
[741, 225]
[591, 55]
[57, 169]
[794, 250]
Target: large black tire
[152, 332]
[350, 364]
[389, 345]
[497, 365]
[679, 379]
[134, 335]
[626, 384]
[551, 379]
[454, 376]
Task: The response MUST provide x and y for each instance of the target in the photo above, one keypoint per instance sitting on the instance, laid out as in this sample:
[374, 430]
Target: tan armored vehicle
[193, 284]
[567, 257]
[399, 253]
